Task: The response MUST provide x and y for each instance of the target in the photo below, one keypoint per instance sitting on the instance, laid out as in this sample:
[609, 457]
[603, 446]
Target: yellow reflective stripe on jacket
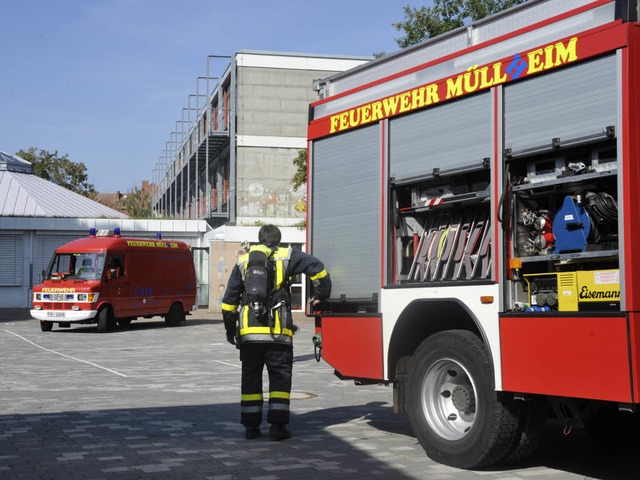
[279, 273]
[226, 307]
[250, 397]
[285, 395]
[319, 275]
[246, 329]
[265, 330]
[280, 256]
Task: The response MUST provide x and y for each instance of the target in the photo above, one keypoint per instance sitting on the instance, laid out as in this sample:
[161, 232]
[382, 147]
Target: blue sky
[104, 81]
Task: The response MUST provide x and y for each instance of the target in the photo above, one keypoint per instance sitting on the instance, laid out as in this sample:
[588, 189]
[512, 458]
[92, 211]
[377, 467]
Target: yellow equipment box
[575, 291]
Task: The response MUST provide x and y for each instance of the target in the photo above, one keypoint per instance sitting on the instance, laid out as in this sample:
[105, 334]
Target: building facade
[230, 161]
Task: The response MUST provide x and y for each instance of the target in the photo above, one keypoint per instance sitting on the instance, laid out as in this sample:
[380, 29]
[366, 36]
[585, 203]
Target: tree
[422, 23]
[59, 170]
[300, 177]
[137, 203]
[298, 180]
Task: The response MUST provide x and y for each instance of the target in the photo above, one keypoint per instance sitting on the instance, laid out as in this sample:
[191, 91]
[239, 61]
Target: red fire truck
[107, 279]
[475, 199]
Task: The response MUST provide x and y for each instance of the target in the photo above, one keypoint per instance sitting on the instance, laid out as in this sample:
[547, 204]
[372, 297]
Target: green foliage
[300, 177]
[59, 170]
[137, 203]
[422, 23]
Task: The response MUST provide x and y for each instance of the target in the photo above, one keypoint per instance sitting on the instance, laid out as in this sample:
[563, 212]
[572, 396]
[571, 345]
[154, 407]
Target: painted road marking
[66, 356]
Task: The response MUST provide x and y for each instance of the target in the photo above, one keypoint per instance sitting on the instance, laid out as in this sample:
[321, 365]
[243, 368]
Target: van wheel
[104, 319]
[175, 316]
[459, 418]
[46, 326]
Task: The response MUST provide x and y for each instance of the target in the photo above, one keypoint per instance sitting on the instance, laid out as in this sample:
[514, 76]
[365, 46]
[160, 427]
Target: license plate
[55, 314]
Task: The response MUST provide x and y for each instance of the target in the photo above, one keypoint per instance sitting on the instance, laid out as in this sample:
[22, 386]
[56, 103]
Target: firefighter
[264, 333]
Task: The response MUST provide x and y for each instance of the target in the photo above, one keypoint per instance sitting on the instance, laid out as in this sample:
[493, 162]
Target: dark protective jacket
[279, 326]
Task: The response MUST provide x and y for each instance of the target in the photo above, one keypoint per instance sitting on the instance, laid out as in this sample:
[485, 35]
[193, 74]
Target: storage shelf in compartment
[564, 180]
[476, 197]
[571, 256]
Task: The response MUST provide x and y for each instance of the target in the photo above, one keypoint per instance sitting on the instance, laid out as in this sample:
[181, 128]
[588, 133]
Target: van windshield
[76, 266]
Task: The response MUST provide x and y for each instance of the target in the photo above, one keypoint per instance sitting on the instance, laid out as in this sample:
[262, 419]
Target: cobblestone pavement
[154, 402]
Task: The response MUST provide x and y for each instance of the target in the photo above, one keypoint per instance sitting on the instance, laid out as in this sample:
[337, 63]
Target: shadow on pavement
[580, 454]
[206, 440]
[180, 442]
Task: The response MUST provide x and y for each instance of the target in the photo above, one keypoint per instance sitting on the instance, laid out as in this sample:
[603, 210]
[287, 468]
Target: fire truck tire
[533, 416]
[105, 319]
[456, 414]
[175, 316]
[46, 326]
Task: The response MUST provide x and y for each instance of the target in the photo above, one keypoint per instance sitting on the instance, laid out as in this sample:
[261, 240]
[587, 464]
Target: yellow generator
[574, 291]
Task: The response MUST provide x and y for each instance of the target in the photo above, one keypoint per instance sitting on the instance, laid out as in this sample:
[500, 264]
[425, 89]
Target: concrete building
[230, 160]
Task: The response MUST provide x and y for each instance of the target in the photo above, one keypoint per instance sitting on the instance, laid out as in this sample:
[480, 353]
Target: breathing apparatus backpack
[259, 283]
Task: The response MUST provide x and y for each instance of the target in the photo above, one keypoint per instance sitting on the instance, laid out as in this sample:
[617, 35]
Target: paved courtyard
[154, 402]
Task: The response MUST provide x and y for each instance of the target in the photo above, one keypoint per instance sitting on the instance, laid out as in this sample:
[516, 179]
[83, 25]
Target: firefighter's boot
[278, 431]
[251, 432]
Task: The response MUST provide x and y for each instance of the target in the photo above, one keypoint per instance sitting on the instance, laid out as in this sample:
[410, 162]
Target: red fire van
[108, 279]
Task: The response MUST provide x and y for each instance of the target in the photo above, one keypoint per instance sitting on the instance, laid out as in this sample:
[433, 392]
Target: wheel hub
[449, 399]
[463, 399]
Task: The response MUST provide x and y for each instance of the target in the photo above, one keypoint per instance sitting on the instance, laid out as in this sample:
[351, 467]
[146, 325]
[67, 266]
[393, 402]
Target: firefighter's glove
[230, 325]
[317, 304]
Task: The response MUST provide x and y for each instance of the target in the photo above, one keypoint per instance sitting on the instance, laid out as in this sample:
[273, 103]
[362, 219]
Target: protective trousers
[279, 361]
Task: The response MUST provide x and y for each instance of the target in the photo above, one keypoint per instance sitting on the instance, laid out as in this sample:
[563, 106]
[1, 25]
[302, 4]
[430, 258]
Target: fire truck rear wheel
[175, 316]
[533, 417]
[458, 417]
[46, 326]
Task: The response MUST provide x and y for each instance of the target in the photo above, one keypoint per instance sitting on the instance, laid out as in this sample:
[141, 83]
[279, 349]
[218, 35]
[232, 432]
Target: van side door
[117, 284]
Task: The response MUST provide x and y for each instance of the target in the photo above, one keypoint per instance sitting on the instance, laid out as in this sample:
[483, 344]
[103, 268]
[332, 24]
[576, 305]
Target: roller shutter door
[451, 136]
[572, 103]
[11, 259]
[346, 235]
